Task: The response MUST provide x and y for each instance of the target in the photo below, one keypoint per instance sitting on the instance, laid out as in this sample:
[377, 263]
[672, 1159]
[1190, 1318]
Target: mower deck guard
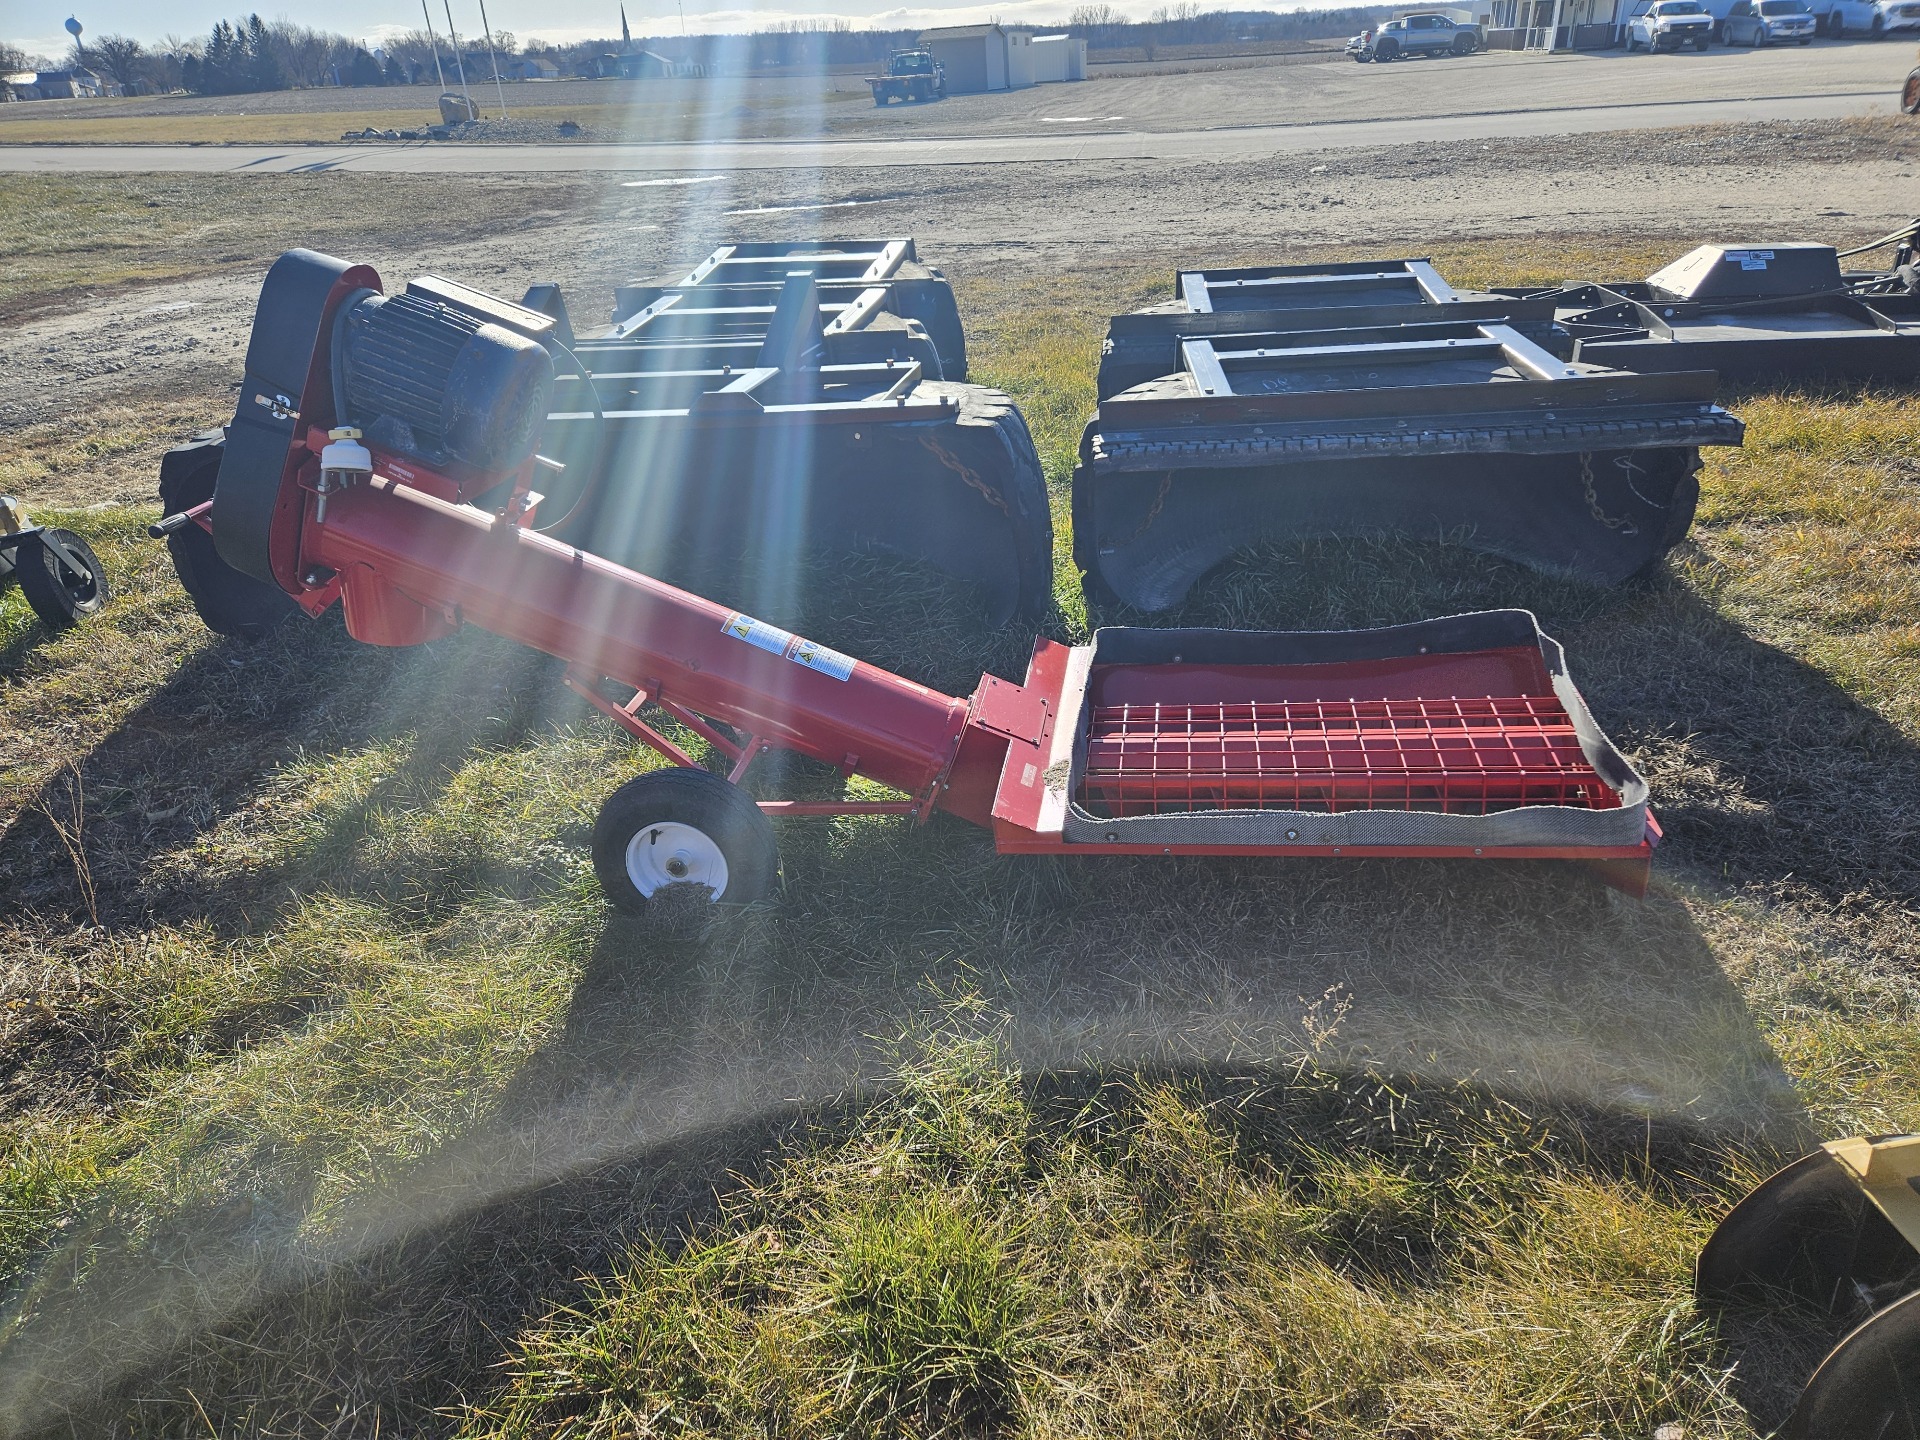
[1468, 432]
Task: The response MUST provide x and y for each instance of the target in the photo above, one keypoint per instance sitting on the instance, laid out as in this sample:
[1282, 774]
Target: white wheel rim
[674, 854]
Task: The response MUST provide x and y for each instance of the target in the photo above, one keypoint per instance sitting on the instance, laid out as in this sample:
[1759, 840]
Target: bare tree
[115, 57]
[304, 54]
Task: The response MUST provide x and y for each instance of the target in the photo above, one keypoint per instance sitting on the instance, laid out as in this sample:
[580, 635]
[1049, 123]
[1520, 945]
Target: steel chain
[959, 467]
[1624, 524]
[1159, 500]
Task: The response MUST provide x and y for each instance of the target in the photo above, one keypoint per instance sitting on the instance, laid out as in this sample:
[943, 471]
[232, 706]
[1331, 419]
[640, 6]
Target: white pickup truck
[1670, 25]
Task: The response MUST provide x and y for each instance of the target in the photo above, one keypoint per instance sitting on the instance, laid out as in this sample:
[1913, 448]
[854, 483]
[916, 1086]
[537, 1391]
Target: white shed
[982, 57]
[1058, 57]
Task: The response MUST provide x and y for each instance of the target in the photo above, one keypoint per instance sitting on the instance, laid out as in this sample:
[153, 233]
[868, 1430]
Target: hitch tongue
[179, 520]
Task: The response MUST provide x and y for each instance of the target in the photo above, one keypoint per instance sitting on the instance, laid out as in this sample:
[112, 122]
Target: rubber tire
[229, 602]
[1806, 39]
[1386, 50]
[1910, 93]
[725, 813]
[60, 604]
[1878, 30]
[1864, 1385]
[1464, 45]
[1836, 25]
[1700, 45]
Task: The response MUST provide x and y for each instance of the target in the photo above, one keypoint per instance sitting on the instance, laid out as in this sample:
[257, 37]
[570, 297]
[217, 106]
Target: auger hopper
[1838, 1233]
[1468, 432]
[718, 422]
[1460, 737]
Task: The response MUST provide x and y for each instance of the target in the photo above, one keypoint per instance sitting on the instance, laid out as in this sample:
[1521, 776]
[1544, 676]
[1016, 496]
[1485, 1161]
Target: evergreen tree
[263, 68]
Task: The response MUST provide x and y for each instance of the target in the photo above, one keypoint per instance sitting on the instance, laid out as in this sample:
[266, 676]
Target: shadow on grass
[684, 1062]
[208, 743]
[1604, 1033]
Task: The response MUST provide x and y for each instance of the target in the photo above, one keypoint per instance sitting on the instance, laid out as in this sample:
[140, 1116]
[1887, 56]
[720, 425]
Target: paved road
[1233, 143]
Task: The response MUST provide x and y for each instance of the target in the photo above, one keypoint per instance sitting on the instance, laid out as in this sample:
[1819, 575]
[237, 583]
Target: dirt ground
[86, 351]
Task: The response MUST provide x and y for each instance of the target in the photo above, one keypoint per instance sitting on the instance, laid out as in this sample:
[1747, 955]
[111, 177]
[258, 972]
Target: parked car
[1670, 25]
[1904, 15]
[1415, 35]
[1852, 17]
[1762, 22]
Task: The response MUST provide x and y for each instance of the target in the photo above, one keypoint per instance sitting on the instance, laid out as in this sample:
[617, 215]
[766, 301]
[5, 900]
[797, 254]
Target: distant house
[78, 83]
[1567, 24]
[531, 67]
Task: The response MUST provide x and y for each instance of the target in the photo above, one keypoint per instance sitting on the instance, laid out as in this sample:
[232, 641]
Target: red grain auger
[385, 456]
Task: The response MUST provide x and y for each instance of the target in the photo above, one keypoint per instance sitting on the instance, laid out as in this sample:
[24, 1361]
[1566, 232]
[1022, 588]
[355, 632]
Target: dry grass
[356, 1108]
[681, 118]
[69, 235]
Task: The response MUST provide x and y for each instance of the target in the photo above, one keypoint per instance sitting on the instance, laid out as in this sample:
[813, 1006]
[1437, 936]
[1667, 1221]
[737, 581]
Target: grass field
[335, 1101]
[678, 114]
[69, 235]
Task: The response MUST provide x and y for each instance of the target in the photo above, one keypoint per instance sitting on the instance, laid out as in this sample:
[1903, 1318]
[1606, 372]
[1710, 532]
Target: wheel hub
[671, 853]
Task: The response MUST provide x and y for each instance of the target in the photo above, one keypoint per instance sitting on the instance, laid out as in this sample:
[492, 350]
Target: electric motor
[429, 380]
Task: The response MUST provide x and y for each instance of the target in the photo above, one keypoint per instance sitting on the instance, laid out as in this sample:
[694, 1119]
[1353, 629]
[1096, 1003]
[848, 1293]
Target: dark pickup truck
[911, 75]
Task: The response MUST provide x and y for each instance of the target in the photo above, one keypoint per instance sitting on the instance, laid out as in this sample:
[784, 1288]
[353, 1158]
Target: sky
[37, 27]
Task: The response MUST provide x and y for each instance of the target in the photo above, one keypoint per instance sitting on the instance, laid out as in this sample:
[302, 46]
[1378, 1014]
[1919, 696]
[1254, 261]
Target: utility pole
[459, 65]
[487, 27]
[434, 41]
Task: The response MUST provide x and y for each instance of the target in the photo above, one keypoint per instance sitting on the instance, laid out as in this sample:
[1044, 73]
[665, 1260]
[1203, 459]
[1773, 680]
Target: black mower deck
[778, 395]
[1465, 431]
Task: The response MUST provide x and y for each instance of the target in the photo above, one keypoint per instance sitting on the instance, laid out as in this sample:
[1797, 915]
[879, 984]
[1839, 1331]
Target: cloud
[52, 46]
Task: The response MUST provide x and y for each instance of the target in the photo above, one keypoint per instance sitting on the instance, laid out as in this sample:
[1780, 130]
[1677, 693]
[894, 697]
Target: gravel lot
[1842, 180]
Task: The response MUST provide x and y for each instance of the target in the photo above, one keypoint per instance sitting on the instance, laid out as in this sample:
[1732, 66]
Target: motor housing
[437, 383]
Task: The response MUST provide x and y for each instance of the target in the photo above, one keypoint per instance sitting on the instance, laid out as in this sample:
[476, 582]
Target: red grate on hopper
[1458, 756]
